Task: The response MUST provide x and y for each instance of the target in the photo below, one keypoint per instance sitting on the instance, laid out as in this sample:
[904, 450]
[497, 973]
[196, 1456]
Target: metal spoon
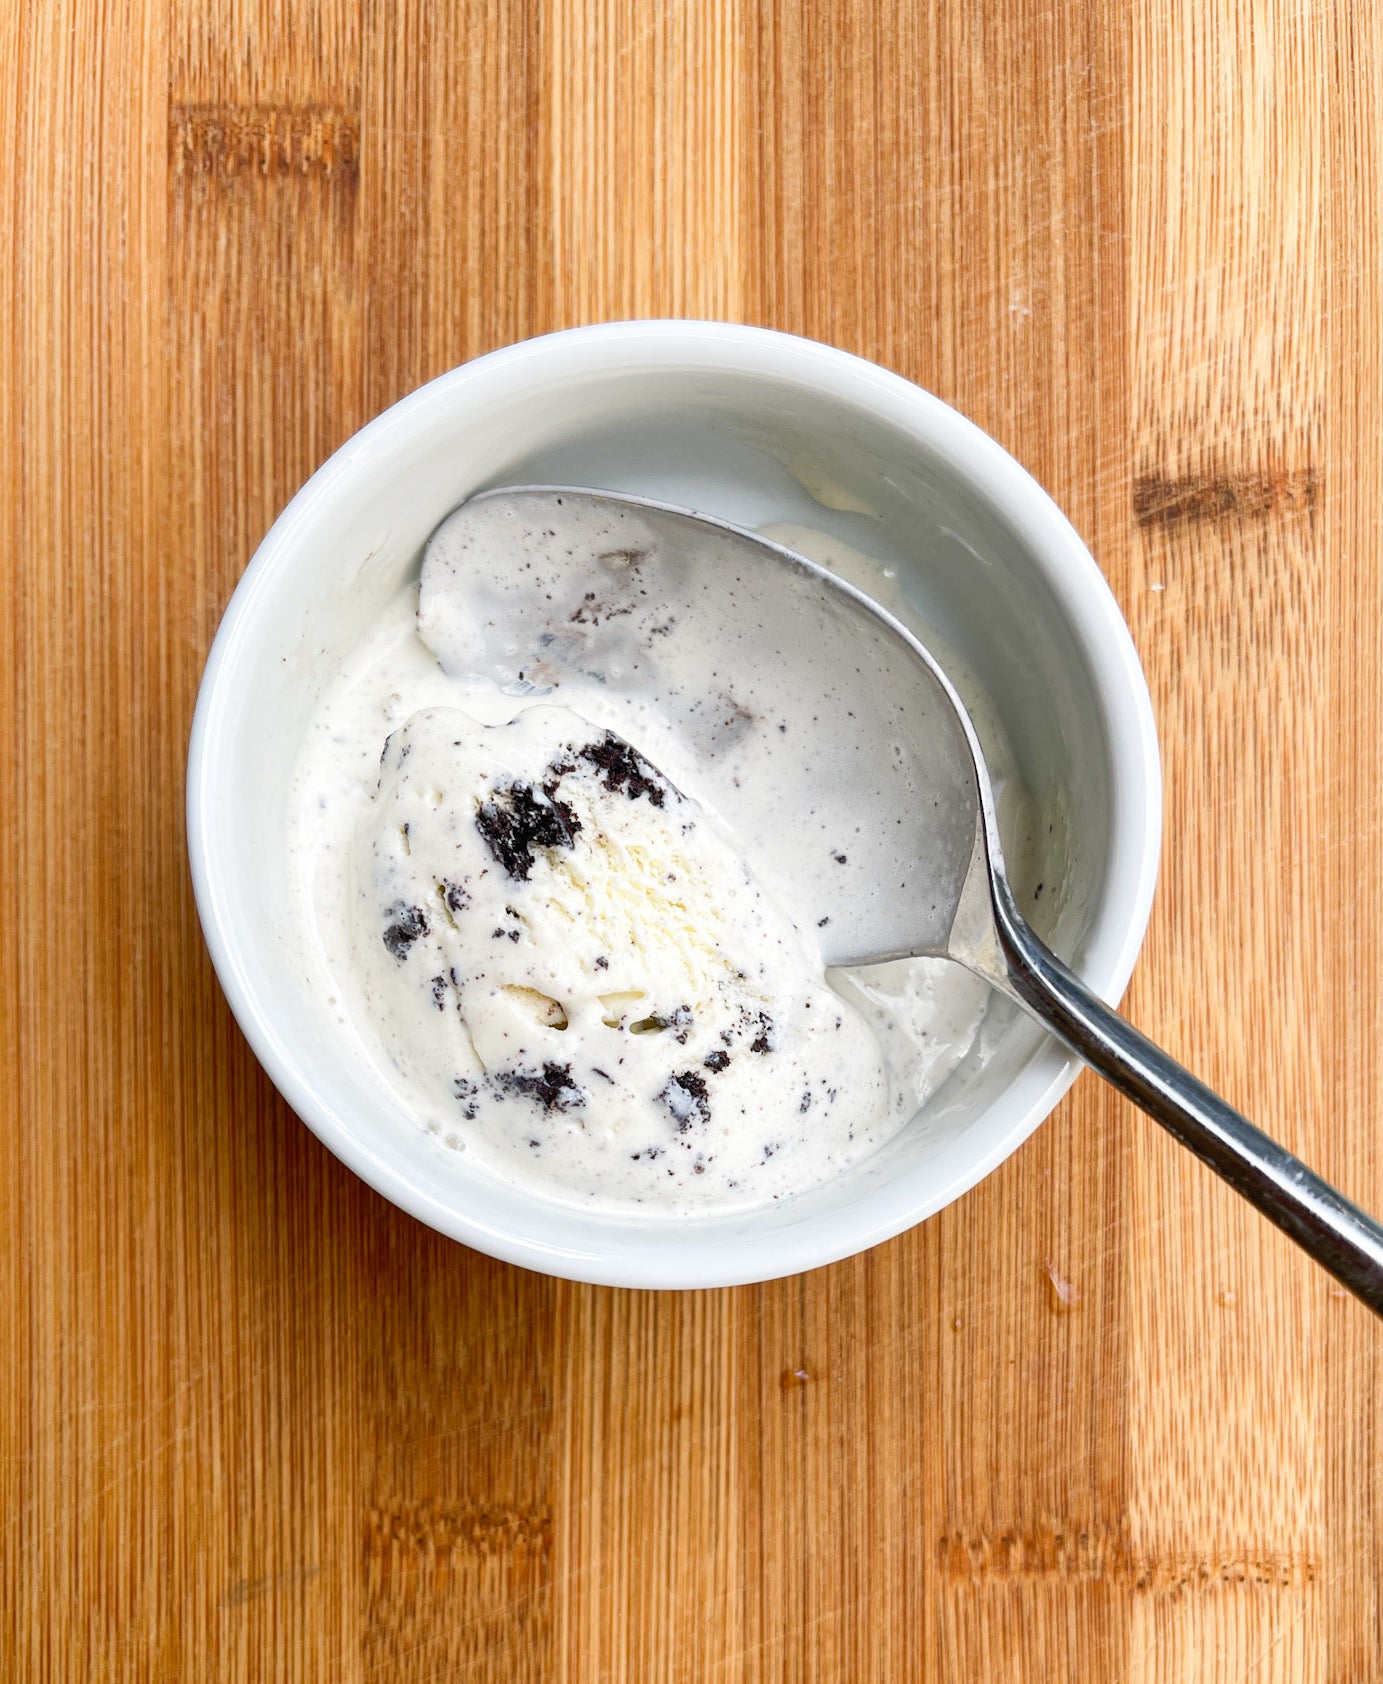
[926, 876]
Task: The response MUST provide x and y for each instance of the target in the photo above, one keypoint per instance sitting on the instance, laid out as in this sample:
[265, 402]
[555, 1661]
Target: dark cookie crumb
[439, 991]
[408, 923]
[518, 821]
[686, 1096]
[716, 1060]
[624, 769]
[602, 963]
[765, 1040]
[552, 1087]
[454, 896]
[465, 1092]
[840, 859]
[387, 752]
[806, 1104]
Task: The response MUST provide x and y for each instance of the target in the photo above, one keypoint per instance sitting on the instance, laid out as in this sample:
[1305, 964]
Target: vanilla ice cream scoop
[565, 956]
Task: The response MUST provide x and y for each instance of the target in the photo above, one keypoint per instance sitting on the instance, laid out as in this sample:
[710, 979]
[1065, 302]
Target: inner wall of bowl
[739, 444]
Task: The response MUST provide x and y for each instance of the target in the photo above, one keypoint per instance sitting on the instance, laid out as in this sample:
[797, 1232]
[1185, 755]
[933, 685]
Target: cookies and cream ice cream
[561, 957]
[554, 941]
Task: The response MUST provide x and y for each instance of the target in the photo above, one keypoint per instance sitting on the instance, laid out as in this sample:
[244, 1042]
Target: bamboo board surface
[255, 1423]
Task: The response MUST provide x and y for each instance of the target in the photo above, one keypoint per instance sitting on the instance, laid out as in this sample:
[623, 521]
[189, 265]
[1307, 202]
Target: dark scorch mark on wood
[407, 1537]
[1170, 502]
[1088, 1551]
[264, 140]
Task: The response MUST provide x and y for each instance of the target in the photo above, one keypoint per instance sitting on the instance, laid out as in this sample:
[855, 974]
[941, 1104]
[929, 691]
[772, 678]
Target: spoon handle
[1341, 1237]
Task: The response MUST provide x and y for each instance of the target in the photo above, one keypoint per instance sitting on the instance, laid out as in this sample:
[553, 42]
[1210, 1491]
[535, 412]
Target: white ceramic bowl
[740, 422]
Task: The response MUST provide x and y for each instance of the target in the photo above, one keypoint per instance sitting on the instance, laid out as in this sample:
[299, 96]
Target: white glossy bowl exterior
[715, 416]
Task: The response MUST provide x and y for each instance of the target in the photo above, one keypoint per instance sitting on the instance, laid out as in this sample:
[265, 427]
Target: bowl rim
[1083, 598]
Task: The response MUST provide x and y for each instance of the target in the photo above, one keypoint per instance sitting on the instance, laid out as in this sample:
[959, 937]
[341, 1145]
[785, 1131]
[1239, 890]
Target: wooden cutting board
[254, 1422]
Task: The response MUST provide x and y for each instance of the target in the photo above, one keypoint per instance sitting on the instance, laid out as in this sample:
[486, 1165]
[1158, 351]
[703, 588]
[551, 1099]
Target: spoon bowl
[894, 739]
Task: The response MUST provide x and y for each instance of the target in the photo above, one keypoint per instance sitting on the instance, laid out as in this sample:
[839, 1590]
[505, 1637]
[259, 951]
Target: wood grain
[256, 1423]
